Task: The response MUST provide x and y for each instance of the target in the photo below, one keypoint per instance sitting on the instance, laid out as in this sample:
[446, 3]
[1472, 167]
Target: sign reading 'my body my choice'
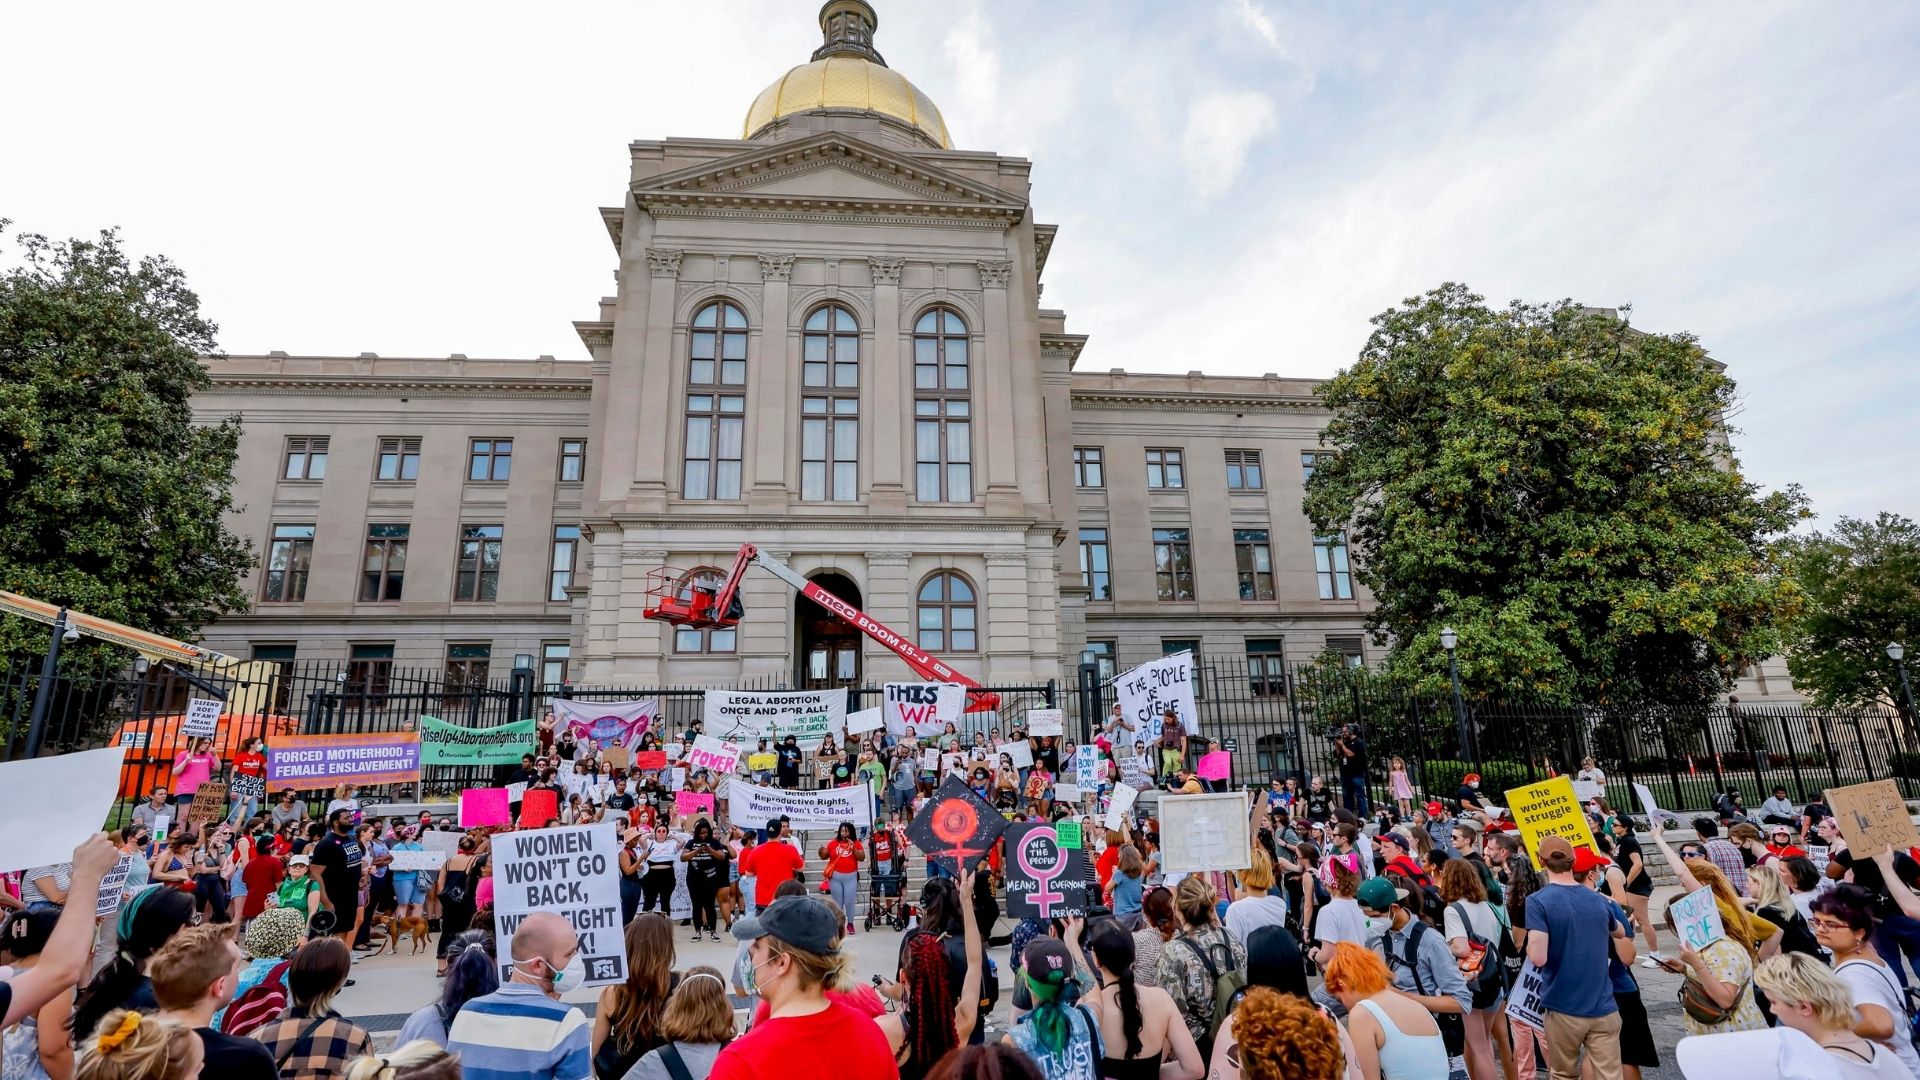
[573, 873]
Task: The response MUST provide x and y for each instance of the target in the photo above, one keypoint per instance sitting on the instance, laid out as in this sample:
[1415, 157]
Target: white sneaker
[1649, 962]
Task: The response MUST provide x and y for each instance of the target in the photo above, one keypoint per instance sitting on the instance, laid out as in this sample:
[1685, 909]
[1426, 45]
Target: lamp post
[1450, 640]
[43, 694]
[1089, 692]
[1897, 653]
[523, 686]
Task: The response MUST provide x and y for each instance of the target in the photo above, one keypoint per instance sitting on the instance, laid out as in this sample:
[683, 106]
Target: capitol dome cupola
[846, 86]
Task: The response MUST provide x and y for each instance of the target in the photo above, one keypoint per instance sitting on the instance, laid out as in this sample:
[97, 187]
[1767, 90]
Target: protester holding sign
[247, 784]
[192, 767]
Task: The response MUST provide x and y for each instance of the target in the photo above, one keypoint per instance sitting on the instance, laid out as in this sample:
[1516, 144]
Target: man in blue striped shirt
[523, 1029]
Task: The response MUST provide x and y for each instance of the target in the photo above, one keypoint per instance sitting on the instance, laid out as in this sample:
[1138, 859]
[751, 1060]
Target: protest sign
[313, 761]
[1137, 772]
[1215, 766]
[1204, 832]
[539, 806]
[1086, 766]
[607, 723]
[202, 719]
[955, 827]
[1819, 854]
[1527, 1003]
[752, 806]
[745, 715]
[922, 708]
[516, 792]
[483, 807]
[1549, 808]
[692, 804]
[1696, 919]
[1020, 753]
[718, 755]
[161, 823]
[1046, 722]
[441, 843]
[404, 861]
[1587, 790]
[618, 757]
[112, 886]
[1068, 793]
[859, 723]
[1873, 818]
[1148, 691]
[650, 760]
[209, 803]
[241, 787]
[1069, 833]
[1045, 878]
[1654, 813]
[1036, 785]
[442, 743]
[953, 763]
[574, 873]
[763, 762]
[930, 759]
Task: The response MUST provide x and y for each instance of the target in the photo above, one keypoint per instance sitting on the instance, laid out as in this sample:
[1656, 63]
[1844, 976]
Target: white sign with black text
[1148, 691]
[573, 872]
[203, 718]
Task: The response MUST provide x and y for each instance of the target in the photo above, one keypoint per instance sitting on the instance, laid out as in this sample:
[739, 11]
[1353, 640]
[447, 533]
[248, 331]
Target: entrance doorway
[829, 653]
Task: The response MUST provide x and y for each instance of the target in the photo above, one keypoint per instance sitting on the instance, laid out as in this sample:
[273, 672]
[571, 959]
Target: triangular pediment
[829, 174]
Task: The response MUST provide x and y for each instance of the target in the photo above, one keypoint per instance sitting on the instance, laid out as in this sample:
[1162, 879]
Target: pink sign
[1215, 766]
[484, 806]
[690, 804]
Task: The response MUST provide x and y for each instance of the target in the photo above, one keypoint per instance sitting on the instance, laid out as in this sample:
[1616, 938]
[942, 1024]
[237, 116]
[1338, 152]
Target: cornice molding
[1043, 237]
[1189, 400]
[889, 215]
[595, 335]
[411, 386]
[1068, 346]
[614, 218]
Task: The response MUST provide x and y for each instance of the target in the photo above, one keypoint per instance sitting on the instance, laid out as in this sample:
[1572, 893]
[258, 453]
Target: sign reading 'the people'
[1148, 691]
[573, 872]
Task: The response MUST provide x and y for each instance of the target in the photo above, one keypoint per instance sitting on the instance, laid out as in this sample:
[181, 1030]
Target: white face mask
[1378, 925]
[568, 977]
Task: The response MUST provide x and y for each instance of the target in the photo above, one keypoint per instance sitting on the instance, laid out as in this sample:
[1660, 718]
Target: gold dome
[847, 73]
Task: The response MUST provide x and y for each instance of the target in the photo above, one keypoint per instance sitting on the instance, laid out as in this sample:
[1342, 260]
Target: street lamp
[1897, 653]
[1450, 640]
[1089, 691]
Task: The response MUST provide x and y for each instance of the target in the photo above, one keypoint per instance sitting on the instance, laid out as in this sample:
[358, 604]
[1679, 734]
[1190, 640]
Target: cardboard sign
[1036, 785]
[1654, 813]
[1204, 832]
[1148, 691]
[859, 723]
[955, 827]
[1215, 766]
[1117, 808]
[429, 860]
[607, 723]
[112, 886]
[573, 872]
[482, 807]
[1021, 753]
[366, 758]
[1045, 878]
[650, 760]
[618, 757]
[1046, 722]
[1873, 818]
[752, 806]
[689, 804]
[1549, 808]
[202, 719]
[1068, 833]
[442, 743]
[763, 762]
[209, 803]
[919, 707]
[1697, 919]
[745, 715]
[1527, 1002]
[539, 806]
[1086, 766]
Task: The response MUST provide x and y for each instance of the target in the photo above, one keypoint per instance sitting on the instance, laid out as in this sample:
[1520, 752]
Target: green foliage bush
[1442, 778]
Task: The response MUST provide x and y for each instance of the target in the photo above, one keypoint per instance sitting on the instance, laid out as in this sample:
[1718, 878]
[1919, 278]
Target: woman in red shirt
[249, 782]
[843, 855]
[771, 864]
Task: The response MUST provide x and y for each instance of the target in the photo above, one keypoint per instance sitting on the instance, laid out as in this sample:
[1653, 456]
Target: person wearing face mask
[339, 860]
[523, 1029]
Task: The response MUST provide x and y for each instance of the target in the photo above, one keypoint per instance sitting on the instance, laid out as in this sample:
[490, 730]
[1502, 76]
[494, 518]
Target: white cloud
[1221, 128]
[1256, 19]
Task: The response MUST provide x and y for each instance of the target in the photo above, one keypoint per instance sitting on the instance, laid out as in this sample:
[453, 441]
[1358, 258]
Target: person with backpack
[1060, 1034]
[1844, 922]
[260, 993]
[1474, 930]
[1204, 967]
[1423, 966]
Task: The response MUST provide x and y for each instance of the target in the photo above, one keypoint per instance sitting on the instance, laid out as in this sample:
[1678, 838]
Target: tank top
[1140, 1068]
[1407, 1057]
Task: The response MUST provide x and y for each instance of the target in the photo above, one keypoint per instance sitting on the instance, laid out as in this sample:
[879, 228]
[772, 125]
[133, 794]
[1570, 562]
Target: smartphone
[878, 981]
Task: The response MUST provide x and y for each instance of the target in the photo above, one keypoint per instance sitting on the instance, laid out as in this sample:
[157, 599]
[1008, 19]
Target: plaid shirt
[308, 1047]
[1727, 857]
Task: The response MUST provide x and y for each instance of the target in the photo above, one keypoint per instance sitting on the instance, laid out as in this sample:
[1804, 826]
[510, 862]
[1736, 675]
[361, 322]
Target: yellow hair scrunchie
[112, 1039]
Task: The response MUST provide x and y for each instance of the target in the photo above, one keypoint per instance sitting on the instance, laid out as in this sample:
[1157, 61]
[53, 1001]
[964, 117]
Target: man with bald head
[523, 1029]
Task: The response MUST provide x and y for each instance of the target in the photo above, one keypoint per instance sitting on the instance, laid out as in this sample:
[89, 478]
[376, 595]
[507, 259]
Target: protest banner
[1046, 722]
[1045, 878]
[1696, 919]
[365, 758]
[111, 886]
[607, 723]
[859, 723]
[955, 827]
[443, 843]
[480, 807]
[746, 715]
[404, 861]
[923, 708]
[1527, 1002]
[690, 804]
[1069, 833]
[1086, 766]
[1020, 753]
[1654, 813]
[202, 719]
[1549, 808]
[763, 762]
[209, 803]
[1215, 766]
[573, 872]
[1204, 832]
[1873, 818]
[442, 743]
[539, 806]
[718, 755]
[1148, 691]
[1067, 793]
[650, 760]
[752, 806]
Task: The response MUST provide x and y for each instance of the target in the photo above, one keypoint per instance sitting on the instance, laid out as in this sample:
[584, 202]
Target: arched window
[716, 402]
[688, 639]
[942, 408]
[830, 406]
[948, 617]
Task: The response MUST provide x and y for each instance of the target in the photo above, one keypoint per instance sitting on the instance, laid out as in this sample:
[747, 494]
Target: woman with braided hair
[922, 1033]
[146, 922]
[1060, 1034]
[134, 1046]
[1140, 1020]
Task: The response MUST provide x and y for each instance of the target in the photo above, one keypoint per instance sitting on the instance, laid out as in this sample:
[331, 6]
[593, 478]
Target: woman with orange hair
[1394, 1038]
[1282, 1037]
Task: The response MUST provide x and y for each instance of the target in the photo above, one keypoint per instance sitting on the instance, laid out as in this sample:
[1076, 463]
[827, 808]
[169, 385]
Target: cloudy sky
[1239, 183]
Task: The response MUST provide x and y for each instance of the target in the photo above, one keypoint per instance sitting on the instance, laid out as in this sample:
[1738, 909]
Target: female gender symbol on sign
[1039, 857]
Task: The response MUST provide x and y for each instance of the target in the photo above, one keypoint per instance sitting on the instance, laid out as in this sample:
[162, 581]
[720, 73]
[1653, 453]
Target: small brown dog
[417, 926]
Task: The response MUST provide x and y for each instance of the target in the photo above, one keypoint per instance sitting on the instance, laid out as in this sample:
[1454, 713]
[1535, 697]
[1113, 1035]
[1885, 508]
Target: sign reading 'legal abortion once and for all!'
[749, 715]
[572, 872]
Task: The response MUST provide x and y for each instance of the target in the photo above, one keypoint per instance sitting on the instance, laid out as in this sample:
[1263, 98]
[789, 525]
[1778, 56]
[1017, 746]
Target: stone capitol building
[827, 338]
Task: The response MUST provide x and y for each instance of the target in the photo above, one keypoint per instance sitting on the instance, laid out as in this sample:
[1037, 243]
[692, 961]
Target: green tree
[1862, 588]
[1557, 487]
[113, 496]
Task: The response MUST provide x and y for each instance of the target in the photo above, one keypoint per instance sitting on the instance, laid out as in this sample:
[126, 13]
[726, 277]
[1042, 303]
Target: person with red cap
[1637, 1048]
[1570, 938]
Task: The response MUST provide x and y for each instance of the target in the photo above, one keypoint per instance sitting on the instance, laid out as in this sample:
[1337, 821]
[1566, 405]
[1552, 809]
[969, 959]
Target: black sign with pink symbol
[955, 827]
[1044, 880]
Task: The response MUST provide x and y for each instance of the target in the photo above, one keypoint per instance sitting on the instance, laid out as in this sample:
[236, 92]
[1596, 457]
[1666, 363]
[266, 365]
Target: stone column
[1004, 622]
[995, 430]
[890, 432]
[889, 598]
[654, 470]
[768, 405]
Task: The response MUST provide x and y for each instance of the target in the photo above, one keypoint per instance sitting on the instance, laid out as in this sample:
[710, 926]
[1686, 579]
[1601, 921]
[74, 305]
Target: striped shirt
[518, 1031]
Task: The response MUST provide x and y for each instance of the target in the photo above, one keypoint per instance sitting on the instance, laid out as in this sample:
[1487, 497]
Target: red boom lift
[707, 601]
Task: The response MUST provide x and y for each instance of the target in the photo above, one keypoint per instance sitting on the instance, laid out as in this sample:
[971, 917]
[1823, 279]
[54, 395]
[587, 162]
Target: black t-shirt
[622, 800]
[1319, 805]
[790, 761]
[1866, 874]
[704, 864]
[1357, 764]
[338, 859]
[523, 775]
[1816, 812]
[1624, 849]
[1467, 797]
[230, 1057]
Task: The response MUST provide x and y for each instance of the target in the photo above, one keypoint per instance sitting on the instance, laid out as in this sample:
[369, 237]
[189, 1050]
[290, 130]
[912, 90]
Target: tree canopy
[1862, 588]
[1558, 487]
[113, 496]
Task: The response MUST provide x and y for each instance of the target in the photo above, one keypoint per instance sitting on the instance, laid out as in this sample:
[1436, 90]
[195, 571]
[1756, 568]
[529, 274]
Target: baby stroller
[887, 906]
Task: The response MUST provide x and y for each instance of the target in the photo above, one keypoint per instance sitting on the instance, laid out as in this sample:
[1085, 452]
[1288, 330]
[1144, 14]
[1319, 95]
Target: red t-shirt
[262, 874]
[882, 850]
[862, 999]
[843, 857]
[250, 764]
[771, 864]
[836, 1043]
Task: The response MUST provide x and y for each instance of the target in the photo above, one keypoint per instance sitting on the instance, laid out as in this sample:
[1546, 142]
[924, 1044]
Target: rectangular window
[716, 435]
[943, 450]
[478, 575]
[1266, 671]
[830, 449]
[686, 639]
[573, 460]
[1330, 566]
[1349, 648]
[467, 667]
[1105, 657]
[1310, 458]
[385, 569]
[1166, 469]
[1088, 468]
[1093, 564]
[399, 459]
[280, 655]
[566, 555]
[369, 667]
[1243, 471]
[555, 658]
[289, 558]
[1253, 558]
[306, 458]
[1173, 564]
[489, 460]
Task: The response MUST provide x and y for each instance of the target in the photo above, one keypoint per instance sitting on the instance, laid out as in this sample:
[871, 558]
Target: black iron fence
[1281, 722]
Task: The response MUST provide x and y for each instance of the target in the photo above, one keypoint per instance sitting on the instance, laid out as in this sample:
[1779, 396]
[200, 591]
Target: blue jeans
[1353, 792]
[1900, 934]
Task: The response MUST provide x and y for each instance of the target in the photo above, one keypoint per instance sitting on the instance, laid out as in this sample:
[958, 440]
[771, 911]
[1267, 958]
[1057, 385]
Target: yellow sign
[1549, 808]
[762, 762]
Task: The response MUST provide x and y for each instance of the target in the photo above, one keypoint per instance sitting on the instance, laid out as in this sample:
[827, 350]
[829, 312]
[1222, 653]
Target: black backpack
[1489, 980]
[1453, 1026]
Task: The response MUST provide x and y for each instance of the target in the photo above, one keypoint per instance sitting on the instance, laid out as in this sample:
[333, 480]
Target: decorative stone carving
[664, 262]
[888, 558]
[886, 270]
[994, 272]
[1006, 558]
[776, 266]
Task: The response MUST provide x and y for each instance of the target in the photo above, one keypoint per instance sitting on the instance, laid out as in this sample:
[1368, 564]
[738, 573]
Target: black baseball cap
[799, 921]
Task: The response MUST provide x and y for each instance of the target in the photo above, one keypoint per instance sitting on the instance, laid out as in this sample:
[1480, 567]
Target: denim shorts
[408, 890]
